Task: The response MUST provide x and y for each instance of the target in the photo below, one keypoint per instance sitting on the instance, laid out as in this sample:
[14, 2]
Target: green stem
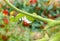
[26, 13]
[32, 15]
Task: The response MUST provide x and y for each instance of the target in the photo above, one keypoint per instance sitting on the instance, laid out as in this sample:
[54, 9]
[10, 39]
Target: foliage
[43, 15]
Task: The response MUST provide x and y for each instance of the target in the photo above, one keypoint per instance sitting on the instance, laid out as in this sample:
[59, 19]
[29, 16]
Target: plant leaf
[55, 37]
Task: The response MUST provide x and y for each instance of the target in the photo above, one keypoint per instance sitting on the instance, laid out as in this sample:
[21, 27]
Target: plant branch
[26, 13]
[32, 15]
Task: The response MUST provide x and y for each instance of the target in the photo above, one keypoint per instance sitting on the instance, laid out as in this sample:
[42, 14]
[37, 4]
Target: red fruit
[33, 1]
[2, 26]
[5, 20]
[5, 38]
[5, 12]
[25, 23]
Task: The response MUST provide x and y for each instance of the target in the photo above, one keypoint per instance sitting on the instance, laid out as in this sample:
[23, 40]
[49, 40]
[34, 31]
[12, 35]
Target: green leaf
[55, 37]
[50, 7]
[43, 39]
[1, 15]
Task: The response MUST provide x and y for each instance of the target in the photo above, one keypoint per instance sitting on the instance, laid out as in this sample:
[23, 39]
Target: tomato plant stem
[32, 15]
